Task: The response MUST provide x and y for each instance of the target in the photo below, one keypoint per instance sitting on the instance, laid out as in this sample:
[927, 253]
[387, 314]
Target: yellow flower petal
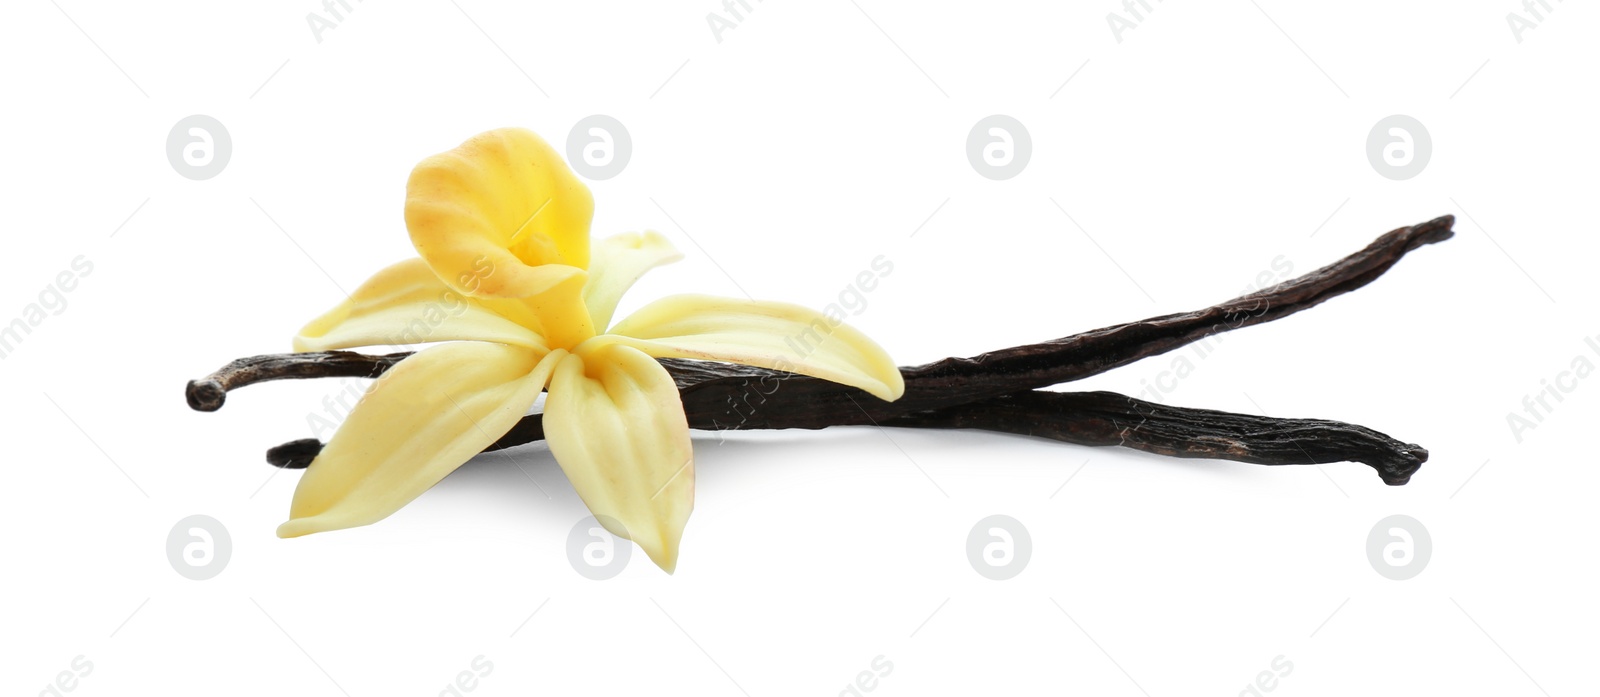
[618, 263]
[501, 216]
[614, 421]
[765, 334]
[407, 304]
[419, 422]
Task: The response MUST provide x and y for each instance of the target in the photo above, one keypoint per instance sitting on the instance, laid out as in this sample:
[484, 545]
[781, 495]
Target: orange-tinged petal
[501, 216]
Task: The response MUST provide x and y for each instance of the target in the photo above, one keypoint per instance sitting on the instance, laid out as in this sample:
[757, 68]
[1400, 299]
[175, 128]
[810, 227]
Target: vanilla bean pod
[1111, 419]
[720, 396]
[208, 393]
[962, 380]
[1098, 419]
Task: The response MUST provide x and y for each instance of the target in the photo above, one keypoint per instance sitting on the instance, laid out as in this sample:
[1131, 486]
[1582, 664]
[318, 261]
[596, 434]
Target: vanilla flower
[502, 229]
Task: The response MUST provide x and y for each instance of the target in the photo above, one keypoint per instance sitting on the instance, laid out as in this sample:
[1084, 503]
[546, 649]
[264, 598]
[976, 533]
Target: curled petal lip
[493, 212]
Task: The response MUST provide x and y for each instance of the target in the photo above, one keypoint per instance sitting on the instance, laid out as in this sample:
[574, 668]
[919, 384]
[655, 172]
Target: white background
[1212, 139]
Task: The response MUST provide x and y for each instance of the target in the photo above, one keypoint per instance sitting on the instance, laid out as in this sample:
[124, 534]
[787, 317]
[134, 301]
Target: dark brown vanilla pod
[996, 391]
[961, 380]
[209, 393]
[1111, 419]
[1095, 419]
